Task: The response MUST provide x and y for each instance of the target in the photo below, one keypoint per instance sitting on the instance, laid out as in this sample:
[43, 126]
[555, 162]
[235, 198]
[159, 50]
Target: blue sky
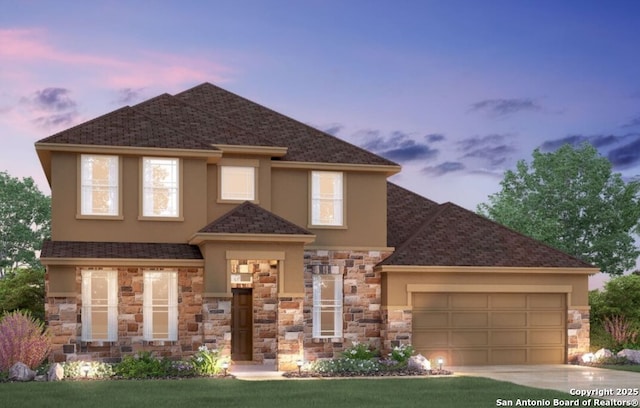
[455, 91]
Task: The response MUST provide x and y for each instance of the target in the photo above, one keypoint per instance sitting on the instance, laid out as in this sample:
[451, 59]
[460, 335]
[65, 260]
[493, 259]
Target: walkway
[566, 378]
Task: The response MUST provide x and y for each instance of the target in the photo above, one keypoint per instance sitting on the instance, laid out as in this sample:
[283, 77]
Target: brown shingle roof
[119, 250]
[406, 212]
[454, 236]
[206, 115]
[304, 143]
[248, 218]
[192, 121]
[127, 127]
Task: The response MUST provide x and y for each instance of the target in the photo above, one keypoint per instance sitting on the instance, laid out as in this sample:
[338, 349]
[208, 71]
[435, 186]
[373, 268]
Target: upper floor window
[99, 305]
[160, 187]
[160, 305]
[327, 204]
[237, 183]
[99, 191]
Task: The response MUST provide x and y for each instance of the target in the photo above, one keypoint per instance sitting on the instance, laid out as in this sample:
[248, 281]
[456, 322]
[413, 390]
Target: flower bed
[360, 360]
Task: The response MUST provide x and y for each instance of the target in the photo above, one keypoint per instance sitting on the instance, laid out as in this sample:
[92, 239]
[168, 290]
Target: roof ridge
[390, 162]
[522, 235]
[433, 215]
[212, 115]
[249, 205]
[139, 112]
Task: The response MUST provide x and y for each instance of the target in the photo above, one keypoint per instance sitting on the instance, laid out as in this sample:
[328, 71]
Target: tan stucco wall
[66, 226]
[366, 207]
[62, 280]
[395, 284]
[216, 279]
[215, 208]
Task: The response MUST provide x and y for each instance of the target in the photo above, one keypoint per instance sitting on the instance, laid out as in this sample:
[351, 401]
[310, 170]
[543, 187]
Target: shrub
[22, 339]
[207, 362]
[359, 351]
[143, 365]
[343, 366]
[401, 354]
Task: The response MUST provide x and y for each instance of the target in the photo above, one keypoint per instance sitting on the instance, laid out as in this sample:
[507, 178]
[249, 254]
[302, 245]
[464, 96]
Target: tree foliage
[23, 290]
[571, 200]
[25, 221]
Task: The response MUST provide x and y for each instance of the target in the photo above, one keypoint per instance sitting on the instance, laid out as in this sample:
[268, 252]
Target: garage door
[490, 328]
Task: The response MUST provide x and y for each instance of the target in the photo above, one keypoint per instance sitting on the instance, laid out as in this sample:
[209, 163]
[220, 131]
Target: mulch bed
[389, 373]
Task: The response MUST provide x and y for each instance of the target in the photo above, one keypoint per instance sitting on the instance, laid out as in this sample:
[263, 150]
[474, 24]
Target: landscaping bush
[22, 339]
[207, 362]
[143, 365]
[362, 360]
[615, 314]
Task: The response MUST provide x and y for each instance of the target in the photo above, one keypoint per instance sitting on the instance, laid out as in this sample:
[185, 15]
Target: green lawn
[634, 368]
[387, 392]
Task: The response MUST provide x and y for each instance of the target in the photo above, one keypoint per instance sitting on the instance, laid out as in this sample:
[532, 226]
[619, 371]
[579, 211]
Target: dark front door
[241, 325]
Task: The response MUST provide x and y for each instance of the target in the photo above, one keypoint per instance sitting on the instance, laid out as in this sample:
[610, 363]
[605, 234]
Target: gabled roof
[305, 144]
[119, 250]
[126, 127]
[453, 236]
[248, 218]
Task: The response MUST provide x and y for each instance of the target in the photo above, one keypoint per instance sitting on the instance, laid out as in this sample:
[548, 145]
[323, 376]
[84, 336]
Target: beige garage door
[490, 328]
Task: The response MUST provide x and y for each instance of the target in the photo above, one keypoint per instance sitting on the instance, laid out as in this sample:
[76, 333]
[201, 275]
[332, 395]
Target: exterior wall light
[85, 368]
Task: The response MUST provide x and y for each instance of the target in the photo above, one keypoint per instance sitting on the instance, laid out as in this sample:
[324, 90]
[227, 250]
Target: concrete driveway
[572, 379]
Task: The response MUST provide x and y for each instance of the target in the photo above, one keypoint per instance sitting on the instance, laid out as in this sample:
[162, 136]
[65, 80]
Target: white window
[237, 183]
[99, 305]
[99, 185]
[160, 305]
[327, 198]
[160, 187]
[327, 304]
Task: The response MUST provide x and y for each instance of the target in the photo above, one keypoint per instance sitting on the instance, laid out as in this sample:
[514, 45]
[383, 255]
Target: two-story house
[203, 218]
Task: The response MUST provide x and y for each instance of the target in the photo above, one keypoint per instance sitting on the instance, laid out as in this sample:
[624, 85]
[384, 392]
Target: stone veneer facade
[362, 302]
[282, 325]
[64, 317]
[578, 329]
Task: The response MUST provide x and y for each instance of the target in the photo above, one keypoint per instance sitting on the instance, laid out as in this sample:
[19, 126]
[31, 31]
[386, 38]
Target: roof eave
[105, 262]
[202, 237]
[271, 151]
[212, 155]
[485, 269]
[388, 169]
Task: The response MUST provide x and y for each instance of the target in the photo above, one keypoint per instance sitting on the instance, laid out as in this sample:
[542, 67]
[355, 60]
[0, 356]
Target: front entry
[242, 325]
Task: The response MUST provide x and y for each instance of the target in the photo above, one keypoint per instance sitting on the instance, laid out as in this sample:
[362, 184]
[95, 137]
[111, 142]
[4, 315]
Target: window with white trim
[327, 302]
[160, 305]
[327, 205]
[160, 187]
[99, 305]
[99, 191]
[237, 183]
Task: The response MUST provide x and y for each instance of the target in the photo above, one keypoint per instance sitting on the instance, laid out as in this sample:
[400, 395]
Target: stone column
[290, 332]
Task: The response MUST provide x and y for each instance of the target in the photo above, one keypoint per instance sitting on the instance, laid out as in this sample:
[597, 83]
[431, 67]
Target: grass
[228, 393]
[622, 367]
